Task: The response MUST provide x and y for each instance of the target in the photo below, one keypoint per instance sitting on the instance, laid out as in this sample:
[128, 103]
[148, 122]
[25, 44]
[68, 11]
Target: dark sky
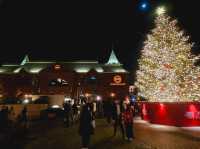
[85, 29]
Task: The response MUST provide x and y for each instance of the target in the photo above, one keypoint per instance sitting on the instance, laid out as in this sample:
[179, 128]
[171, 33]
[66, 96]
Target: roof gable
[25, 60]
[113, 59]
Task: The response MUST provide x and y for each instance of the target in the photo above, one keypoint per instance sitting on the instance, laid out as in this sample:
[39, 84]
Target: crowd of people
[71, 113]
[118, 113]
[9, 119]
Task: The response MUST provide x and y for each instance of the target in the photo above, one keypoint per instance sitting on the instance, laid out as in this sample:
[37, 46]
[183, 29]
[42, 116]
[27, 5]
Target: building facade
[72, 79]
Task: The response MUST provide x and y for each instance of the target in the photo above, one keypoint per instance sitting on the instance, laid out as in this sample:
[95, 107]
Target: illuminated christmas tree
[167, 70]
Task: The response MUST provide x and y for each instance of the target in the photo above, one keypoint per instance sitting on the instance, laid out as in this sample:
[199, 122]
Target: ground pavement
[52, 135]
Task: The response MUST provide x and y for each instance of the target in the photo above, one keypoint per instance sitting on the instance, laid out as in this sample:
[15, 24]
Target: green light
[2, 70]
[82, 70]
[35, 70]
[113, 59]
[99, 69]
[17, 70]
[119, 70]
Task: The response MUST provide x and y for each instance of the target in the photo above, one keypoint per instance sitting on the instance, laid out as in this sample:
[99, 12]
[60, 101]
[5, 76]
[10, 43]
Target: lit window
[57, 67]
[58, 82]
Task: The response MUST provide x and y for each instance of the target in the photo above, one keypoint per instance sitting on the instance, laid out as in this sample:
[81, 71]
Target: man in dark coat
[117, 117]
[67, 111]
[86, 129]
[24, 117]
[74, 112]
[4, 117]
[108, 109]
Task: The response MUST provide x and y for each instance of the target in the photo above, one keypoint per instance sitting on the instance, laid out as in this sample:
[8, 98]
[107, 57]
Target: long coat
[86, 118]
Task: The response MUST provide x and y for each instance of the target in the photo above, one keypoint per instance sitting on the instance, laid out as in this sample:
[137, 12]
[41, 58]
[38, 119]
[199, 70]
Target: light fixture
[98, 98]
[25, 101]
[67, 99]
[112, 94]
[57, 67]
[55, 106]
[87, 94]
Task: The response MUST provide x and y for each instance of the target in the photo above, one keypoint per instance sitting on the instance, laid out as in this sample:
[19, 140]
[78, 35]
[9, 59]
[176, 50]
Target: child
[127, 118]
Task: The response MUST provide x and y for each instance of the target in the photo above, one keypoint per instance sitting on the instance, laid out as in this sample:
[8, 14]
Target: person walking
[24, 117]
[75, 112]
[86, 128]
[108, 110]
[11, 117]
[4, 117]
[117, 117]
[127, 118]
[67, 113]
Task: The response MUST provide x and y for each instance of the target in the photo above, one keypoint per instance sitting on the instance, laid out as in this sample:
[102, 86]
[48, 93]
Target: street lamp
[112, 95]
[98, 98]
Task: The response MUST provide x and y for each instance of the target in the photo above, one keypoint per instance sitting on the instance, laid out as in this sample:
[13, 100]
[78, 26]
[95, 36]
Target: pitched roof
[113, 59]
[31, 65]
[25, 60]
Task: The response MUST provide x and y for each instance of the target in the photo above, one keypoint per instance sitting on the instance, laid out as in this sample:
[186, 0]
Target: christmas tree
[167, 70]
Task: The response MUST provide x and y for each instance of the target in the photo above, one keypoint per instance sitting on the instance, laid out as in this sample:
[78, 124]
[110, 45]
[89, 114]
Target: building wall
[105, 85]
[14, 85]
[102, 84]
[46, 77]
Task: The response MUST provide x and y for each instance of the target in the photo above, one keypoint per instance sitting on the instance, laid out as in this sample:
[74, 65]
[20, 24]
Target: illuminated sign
[117, 80]
[58, 82]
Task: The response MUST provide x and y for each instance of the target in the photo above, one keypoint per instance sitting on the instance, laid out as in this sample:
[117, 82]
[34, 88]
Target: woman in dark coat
[86, 128]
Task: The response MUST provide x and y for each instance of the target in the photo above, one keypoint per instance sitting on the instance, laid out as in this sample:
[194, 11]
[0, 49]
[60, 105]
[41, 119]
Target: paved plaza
[53, 135]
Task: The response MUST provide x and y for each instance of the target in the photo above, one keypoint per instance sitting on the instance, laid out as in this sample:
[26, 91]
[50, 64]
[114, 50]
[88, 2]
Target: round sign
[117, 79]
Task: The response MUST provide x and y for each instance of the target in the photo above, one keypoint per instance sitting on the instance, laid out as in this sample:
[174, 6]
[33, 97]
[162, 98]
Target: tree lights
[160, 10]
[166, 67]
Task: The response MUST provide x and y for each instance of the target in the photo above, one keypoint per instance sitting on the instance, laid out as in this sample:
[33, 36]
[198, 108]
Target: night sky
[86, 29]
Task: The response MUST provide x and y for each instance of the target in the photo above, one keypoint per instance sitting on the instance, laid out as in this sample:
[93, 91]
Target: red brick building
[64, 78]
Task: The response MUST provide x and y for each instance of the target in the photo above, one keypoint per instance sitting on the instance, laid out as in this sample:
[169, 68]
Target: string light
[160, 10]
[166, 67]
